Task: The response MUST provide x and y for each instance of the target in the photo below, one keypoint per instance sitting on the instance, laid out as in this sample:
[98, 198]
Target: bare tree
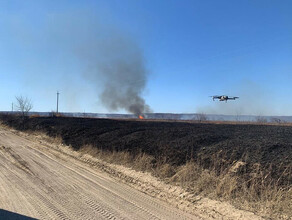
[24, 105]
[238, 115]
[261, 119]
[200, 117]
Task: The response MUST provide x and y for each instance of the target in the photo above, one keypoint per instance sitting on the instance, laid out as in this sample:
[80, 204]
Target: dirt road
[38, 183]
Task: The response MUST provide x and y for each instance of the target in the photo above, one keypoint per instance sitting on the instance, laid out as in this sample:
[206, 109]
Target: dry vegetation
[255, 191]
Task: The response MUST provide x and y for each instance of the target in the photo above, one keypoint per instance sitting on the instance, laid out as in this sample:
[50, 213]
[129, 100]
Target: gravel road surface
[36, 182]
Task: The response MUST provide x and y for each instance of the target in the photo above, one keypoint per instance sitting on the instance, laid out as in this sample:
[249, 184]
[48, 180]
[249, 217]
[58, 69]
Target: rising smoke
[83, 49]
[117, 62]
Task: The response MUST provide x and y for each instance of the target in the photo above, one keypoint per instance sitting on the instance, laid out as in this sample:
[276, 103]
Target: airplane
[224, 97]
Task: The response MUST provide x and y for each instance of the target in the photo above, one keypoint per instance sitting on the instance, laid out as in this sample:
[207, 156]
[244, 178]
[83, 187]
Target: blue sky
[192, 49]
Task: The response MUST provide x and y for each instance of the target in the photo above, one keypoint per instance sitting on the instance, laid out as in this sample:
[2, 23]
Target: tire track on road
[48, 184]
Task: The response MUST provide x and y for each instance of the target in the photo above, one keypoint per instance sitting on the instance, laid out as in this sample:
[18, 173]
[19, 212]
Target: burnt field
[210, 145]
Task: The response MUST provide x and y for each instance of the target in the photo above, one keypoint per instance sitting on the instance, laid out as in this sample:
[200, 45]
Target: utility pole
[12, 107]
[58, 101]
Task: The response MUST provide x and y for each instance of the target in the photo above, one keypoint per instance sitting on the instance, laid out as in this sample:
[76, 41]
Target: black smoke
[117, 65]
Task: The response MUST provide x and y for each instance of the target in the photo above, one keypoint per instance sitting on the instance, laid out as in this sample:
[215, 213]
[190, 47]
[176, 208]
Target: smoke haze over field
[110, 60]
[253, 100]
[250, 102]
[117, 62]
[87, 57]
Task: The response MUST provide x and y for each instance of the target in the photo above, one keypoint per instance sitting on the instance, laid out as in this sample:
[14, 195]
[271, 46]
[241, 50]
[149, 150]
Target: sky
[188, 49]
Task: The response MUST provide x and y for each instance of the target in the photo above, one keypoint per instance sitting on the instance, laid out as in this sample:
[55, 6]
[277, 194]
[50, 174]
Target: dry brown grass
[258, 193]
[255, 191]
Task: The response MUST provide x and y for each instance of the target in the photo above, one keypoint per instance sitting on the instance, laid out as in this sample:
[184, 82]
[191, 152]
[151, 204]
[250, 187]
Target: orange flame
[141, 117]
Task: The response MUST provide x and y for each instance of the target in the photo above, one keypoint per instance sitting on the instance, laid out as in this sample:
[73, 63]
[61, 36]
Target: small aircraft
[224, 97]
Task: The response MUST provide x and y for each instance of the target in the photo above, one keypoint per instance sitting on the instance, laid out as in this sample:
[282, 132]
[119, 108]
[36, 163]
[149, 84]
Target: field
[247, 163]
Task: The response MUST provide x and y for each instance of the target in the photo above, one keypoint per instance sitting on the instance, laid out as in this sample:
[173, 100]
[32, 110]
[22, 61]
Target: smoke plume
[79, 47]
[118, 63]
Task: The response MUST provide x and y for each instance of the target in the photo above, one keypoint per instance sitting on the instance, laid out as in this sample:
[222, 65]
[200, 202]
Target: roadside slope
[40, 184]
